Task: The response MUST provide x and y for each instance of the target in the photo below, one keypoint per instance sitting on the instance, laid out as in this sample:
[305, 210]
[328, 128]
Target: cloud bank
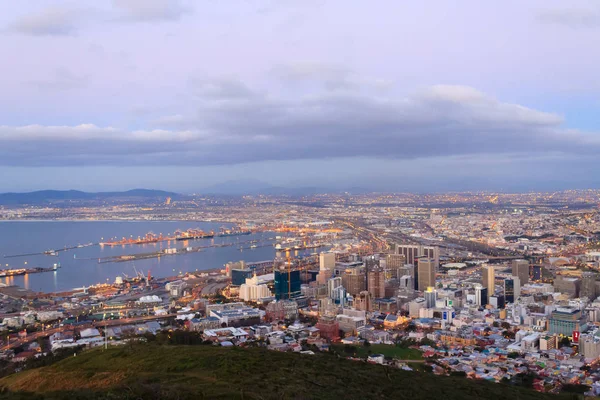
[231, 123]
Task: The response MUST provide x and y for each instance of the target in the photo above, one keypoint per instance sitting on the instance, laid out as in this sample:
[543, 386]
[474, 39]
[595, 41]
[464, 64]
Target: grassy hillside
[151, 371]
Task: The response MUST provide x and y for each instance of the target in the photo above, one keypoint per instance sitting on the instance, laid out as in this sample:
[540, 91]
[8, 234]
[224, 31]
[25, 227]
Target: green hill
[150, 371]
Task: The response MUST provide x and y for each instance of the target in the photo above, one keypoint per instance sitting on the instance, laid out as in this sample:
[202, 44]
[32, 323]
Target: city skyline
[171, 95]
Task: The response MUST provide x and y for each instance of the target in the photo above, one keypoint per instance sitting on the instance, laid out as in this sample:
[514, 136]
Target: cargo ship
[193, 234]
[233, 232]
[148, 238]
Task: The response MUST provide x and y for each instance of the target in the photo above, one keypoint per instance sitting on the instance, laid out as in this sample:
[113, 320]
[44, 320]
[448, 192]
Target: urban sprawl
[501, 287]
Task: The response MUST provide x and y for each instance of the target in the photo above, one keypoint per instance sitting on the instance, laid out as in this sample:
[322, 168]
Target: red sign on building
[575, 336]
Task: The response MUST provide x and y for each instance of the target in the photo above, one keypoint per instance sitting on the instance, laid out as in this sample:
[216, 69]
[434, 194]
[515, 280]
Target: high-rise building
[363, 301]
[536, 273]
[393, 263]
[567, 285]
[488, 279]
[432, 252]
[406, 269]
[426, 267]
[430, 297]
[413, 251]
[497, 301]
[239, 276]
[410, 251]
[371, 262]
[520, 268]
[376, 283]
[326, 261]
[354, 281]
[406, 282]
[512, 289]
[481, 296]
[589, 346]
[335, 291]
[287, 284]
[230, 266]
[588, 285]
[326, 267]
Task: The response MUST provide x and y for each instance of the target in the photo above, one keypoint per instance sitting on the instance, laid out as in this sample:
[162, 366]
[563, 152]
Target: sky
[386, 96]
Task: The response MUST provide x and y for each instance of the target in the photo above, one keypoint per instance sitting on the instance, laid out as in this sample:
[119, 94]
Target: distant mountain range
[45, 196]
[230, 188]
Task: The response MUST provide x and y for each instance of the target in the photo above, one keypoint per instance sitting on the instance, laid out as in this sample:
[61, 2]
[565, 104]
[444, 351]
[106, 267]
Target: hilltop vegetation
[152, 371]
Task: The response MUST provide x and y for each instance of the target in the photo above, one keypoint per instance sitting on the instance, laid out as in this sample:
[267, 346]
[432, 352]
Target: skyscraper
[326, 267]
[481, 296]
[426, 267]
[413, 251]
[354, 281]
[393, 263]
[588, 285]
[287, 284]
[326, 261]
[512, 289]
[432, 252]
[488, 278]
[520, 268]
[407, 269]
[410, 251]
[376, 283]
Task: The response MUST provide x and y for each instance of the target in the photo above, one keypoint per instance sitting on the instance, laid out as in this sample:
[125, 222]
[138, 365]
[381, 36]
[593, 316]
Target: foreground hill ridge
[182, 372]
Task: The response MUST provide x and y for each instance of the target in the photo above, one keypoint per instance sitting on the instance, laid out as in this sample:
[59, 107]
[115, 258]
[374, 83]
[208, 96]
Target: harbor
[190, 234]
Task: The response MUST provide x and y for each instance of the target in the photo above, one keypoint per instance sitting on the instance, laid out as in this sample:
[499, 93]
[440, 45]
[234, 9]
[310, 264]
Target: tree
[367, 343]
[565, 342]
[505, 325]
[574, 388]
[496, 324]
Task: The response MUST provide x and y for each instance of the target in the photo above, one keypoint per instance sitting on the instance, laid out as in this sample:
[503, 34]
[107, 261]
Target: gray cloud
[330, 77]
[52, 21]
[152, 10]
[571, 17]
[233, 124]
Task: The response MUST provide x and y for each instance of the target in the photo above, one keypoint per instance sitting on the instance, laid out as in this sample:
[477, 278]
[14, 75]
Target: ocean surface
[79, 267]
